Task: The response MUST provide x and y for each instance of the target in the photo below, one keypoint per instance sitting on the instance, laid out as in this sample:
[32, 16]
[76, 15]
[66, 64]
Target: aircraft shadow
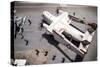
[52, 41]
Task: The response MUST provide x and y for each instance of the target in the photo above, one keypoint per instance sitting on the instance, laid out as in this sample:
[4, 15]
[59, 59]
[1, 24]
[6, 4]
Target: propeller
[57, 10]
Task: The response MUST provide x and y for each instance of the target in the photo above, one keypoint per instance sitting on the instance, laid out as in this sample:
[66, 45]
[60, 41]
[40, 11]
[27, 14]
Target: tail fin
[88, 36]
[86, 41]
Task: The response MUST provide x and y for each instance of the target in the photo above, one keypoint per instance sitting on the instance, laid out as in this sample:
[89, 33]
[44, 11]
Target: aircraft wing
[69, 36]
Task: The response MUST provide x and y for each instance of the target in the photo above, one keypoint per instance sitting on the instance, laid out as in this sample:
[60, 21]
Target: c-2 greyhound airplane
[64, 32]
